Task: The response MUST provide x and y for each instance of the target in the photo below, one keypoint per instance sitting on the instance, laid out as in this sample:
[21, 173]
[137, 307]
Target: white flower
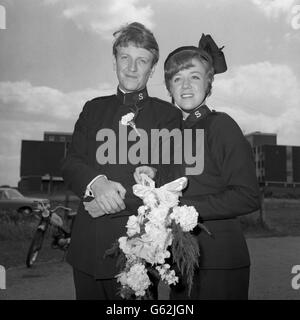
[156, 241]
[150, 234]
[127, 118]
[142, 210]
[166, 274]
[133, 226]
[136, 278]
[157, 216]
[154, 233]
[186, 216]
[161, 256]
[124, 245]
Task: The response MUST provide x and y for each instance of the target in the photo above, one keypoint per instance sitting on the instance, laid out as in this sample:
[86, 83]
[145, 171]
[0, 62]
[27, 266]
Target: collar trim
[132, 98]
[197, 114]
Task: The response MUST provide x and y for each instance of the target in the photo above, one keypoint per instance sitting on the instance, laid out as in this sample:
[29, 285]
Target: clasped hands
[109, 195]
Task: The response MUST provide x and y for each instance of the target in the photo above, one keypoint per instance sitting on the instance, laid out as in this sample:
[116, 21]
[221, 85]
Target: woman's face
[188, 86]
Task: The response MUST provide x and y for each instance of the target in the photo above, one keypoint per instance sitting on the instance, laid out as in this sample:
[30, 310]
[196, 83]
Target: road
[272, 262]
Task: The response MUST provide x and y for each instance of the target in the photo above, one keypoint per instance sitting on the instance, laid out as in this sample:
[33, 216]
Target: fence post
[262, 211]
[2, 278]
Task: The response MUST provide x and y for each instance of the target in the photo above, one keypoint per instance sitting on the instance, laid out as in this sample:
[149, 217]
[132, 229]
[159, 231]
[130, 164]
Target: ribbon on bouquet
[166, 193]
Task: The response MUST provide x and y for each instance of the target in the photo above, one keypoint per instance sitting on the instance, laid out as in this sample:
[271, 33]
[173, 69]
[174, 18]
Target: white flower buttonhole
[128, 120]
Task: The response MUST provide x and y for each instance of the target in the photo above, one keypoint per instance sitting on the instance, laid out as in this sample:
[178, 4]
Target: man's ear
[114, 62]
[152, 71]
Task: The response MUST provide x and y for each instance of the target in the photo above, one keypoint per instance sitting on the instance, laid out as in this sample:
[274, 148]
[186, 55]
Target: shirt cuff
[88, 190]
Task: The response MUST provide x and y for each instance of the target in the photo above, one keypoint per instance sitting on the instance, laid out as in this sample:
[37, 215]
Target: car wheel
[25, 211]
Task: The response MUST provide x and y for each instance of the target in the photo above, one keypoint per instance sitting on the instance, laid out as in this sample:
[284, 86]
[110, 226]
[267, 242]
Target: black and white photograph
[150, 150]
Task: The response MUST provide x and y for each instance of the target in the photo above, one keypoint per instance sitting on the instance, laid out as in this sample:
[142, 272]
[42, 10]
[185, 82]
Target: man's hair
[183, 60]
[137, 34]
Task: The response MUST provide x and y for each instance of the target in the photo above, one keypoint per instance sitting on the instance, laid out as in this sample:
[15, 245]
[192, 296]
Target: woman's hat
[207, 44]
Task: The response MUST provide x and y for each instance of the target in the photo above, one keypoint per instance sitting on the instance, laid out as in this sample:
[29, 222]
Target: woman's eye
[176, 80]
[195, 77]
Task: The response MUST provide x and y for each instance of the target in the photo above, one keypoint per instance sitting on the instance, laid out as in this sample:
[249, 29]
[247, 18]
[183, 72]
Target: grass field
[282, 219]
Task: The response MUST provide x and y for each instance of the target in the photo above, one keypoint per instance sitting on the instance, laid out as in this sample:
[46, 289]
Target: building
[57, 136]
[276, 165]
[41, 162]
[258, 138]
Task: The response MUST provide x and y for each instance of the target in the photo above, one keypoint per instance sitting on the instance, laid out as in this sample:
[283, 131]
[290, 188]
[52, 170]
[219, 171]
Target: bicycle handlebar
[44, 208]
[61, 207]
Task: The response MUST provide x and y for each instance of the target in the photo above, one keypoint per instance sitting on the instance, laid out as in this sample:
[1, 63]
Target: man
[102, 221]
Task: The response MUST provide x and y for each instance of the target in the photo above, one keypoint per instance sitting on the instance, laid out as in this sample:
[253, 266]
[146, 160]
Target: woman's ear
[114, 62]
[208, 89]
[210, 80]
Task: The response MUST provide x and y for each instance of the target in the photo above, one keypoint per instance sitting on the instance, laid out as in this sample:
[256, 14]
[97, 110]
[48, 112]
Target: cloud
[274, 9]
[27, 111]
[21, 101]
[263, 97]
[51, 2]
[263, 87]
[105, 16]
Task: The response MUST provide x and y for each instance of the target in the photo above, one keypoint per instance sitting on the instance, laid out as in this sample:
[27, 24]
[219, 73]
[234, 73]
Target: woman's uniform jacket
[226, 188]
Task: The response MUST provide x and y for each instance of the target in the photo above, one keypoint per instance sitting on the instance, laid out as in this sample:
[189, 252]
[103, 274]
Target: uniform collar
[197, 115]
[132, 98]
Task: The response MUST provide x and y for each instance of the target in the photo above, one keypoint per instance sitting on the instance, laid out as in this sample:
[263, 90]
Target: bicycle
[60, 233]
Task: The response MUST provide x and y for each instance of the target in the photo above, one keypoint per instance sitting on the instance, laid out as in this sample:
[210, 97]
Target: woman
[227, 186]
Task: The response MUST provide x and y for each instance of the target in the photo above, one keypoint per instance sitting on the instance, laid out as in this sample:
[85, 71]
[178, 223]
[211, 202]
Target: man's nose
[133, 65]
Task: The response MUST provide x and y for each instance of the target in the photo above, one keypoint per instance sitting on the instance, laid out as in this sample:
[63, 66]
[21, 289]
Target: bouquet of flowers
[159, 231]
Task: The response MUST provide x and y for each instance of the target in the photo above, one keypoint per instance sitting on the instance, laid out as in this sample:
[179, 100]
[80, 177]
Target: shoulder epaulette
[162, 101]
[215, 112]
[101, 98]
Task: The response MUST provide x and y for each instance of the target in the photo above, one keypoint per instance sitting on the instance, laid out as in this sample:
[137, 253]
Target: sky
[57, 54]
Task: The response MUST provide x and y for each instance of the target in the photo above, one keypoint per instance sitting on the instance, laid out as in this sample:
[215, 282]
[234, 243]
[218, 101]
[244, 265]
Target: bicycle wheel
[35, 247]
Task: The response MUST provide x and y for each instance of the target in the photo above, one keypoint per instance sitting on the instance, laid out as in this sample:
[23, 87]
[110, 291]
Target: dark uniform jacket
[226, 188]
[91, 237]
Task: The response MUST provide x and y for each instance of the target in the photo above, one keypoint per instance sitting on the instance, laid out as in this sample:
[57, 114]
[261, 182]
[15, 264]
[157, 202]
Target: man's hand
[149, 171]
[109, 195]
[93, 209]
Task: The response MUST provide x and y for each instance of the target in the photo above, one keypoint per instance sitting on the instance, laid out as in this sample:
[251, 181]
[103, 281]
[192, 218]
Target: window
[3, 195]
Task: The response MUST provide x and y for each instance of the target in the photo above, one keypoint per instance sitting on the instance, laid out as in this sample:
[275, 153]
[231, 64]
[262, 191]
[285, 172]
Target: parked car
[12, 199]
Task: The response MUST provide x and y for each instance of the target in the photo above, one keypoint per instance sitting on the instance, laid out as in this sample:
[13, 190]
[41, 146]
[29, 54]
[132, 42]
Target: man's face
[134, 67]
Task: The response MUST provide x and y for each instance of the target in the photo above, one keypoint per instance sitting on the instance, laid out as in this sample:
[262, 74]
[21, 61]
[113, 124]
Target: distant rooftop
[58, 133]
[261, 133]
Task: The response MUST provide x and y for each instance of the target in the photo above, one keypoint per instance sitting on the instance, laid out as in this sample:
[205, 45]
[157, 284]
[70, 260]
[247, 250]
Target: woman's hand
[149, 171]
